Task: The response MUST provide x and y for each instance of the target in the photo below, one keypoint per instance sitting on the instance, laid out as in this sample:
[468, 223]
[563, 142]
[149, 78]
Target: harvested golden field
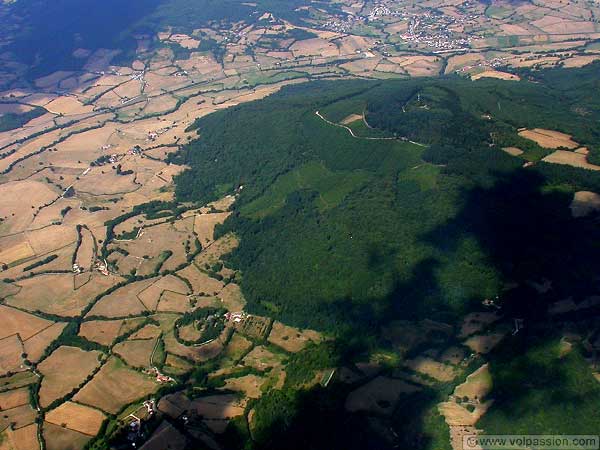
[65, 369]
[260, 358]
[351, 118]
[232, 298]
[484, 343]
[584, 203]
[56, 293]
[379, 395]
[292, 339]
[20, 416]
[106, 331]
[67, 106]
[314, 47]
[513, 151]
[148, 332]
[11, 349]
[136, 352]
[13, 321]
[570, 159]
[476, 321]
[174, 302]
[249, 385]
[204, 225]
[21, 439]
[59, 438]
[166, 437]
[76, 417]
[86, 253]
[225, 406]
[12, 202]
[549, 139]
[220, 247]
[238, 345]
[150, 296]
[495, 74]
[37, 344]
[122, 302]
[51, 238]
[434, 369]
[477, 385]
[201, 282]
[18, 380]
[12, 399]
[115, 386]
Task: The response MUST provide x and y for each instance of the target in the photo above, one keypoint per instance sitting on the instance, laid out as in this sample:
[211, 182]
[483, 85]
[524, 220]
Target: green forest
[346, 234]
[342, 232]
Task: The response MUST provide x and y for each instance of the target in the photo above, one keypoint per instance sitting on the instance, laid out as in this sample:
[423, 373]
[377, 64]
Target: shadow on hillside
[529, 234]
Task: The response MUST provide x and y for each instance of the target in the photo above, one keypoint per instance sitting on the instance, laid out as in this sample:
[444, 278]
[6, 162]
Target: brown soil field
[151, 295]
[249, 385]
[201, 353]
[148, 332]
[55, 293]
[514, 151]
[173, 302]
[476, 321]
[260, 358]
[13, 321]
[232, 298]
[177, 363]
[11, 349]
[65, 369]
[37, 344]
[570, 159]
[200, 281]
[105, 181]
[453, 355]
[86, 253]
[292, 339]
[67, 106]
[59, 438]
[312, 47]
[106, 331]
[153, 241]
[204, 225]
[584, 203]
[190, 332]
[351, 118]
[378, 396]
[137, 352]
[477, 385]
[21, 439]
[165, 437]
[484, 343]
[115, 386]
[76, 417]
[15, 108]
[8, 289]
[21, 416]
[51, 238]
[549, 139]
[495, 74]
[20, 251]
[12, 202]
[225, 406]
[458, 415]
[434, 369]
[123, 301]
[17, 380]
[237, 346]
[12, 399]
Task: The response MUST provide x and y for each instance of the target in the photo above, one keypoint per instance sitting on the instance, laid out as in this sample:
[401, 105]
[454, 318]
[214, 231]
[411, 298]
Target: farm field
[234, 225]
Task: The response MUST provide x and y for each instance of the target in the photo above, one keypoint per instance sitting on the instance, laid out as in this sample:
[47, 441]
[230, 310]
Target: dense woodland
[344, 234]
